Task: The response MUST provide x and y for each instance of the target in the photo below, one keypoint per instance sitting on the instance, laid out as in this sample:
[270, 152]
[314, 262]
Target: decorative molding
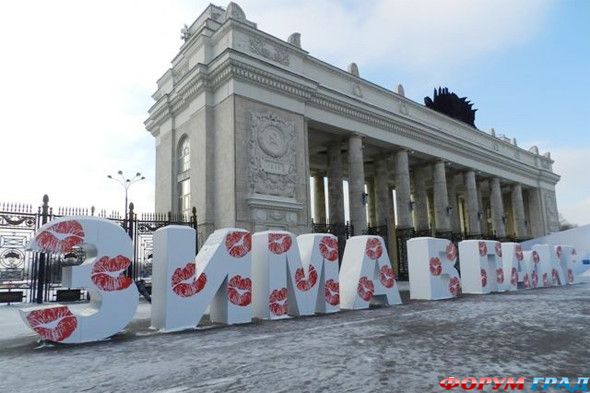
[269, 51]
[272, 155]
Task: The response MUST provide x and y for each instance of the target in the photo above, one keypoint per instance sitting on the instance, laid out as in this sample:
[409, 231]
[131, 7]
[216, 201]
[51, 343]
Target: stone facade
[262, 116]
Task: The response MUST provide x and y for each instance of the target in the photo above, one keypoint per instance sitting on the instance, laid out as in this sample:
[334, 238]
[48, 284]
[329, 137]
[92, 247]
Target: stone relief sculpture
[272, 155]
[552, 216]
[273, 53]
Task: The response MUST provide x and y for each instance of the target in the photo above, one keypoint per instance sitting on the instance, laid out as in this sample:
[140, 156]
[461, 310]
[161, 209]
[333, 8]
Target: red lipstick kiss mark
[536, 257]
[555, 276]
[108, 274]
[500, 276]
[332, 292]
[329, 248]
[435, 266]
[519, 253]
[387, 276]
[61, 237]
[514, 277]
[365, 288]
[304, 284]
[484, 277]
[239, 291]
[184, 282]
[277, 302]
[574, 252]
[535, 279]
[483, 249]
[238, 243]
[373, 249]
[570, 276]
[455, 286]
[279, 243]
[558, 251]
[53, 324]
[499, 249]
[526, 281]
[545, 280]
[451, 252]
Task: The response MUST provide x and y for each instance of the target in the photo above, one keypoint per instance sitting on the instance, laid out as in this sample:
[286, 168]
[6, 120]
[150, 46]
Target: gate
[27, 276]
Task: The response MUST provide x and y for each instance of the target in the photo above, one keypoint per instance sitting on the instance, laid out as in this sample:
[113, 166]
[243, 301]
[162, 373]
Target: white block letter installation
[114, 296]
[481, 266]
[431, 265]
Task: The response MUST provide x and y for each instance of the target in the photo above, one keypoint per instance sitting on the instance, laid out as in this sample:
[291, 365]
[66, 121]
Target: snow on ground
[406, 348]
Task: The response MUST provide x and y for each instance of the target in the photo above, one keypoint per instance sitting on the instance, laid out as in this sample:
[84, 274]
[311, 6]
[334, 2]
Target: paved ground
[406, 348]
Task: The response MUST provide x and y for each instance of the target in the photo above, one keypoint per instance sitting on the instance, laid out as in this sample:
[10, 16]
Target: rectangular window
[184, 195]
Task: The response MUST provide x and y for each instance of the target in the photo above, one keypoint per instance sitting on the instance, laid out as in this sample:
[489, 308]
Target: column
[420, 199]
[473, 206]
[402, 190]
[497, 208]
[372, 202]
[335, 186]
[382, 196]
[441, 198]
[518, 211]
[454, 212]
[319, 202]
[356, 184]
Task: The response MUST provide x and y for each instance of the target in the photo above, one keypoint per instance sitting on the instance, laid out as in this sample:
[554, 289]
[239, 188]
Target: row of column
[410, 214]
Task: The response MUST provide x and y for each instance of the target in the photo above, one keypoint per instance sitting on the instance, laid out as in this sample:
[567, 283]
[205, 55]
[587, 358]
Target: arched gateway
[257, 116]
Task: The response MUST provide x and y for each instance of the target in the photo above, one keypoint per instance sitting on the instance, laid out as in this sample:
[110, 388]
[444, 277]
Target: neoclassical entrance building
[243, 120]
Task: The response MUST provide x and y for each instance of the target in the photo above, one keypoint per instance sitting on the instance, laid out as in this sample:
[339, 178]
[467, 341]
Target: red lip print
[109, 274]
[574, 252]
[332, 292]
[484, 277]
[555, 276]
[435, 266]
[329, 248]
[500, 276]
[526, 282]
[570, 276]
[499, 249]
[387, 276]
[304, 284]
[239, 291]
[53, 324]
[536, 257]
[483, 249]
[558, 251]
[61, 237]
[184, 282]
[451, 252]
[365, 288]
[279, 243]
[373, 249]
[455, 286]
[545, 280]
[277, 302]
[514, 277]
[238, 243]
[519, 253]
[535, 279]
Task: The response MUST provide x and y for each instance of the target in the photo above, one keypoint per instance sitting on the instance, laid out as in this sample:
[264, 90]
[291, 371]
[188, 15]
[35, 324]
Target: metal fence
[27, 276]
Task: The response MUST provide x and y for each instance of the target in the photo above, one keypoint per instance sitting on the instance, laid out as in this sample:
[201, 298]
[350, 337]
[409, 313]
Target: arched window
[184, 155]
[184, 181]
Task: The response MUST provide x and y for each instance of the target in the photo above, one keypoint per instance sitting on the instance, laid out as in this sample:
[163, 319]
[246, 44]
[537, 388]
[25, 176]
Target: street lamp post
[126, 183]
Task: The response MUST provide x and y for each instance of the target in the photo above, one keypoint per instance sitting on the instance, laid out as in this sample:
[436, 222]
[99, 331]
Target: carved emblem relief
[552, 215]
[269, 51]
[272, 159]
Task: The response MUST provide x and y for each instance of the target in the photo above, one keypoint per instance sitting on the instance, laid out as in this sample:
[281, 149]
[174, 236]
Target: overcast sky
[78, 78]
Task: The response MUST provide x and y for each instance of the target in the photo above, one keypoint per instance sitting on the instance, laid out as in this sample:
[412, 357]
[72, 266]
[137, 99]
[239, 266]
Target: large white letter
[512, 256]
[184, 286]
[567, 259]
[114, 296]
[431, 263]
[366, 275]
[481, 266]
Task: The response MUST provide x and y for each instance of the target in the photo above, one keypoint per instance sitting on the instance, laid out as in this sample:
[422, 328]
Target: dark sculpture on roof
[451, 105]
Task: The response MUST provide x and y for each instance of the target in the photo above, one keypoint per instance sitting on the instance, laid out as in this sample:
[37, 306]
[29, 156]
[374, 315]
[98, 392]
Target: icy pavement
[405, 348]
